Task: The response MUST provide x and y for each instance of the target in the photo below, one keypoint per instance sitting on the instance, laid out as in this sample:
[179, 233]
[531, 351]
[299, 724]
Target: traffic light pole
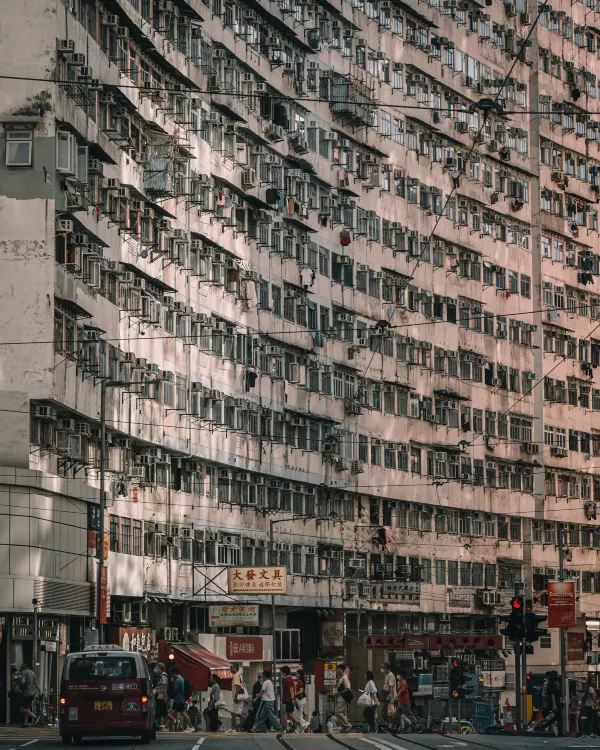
[564, 709]
[518, 684]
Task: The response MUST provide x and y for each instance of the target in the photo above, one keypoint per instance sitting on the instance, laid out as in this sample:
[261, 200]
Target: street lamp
[37, 608]
[104, 386]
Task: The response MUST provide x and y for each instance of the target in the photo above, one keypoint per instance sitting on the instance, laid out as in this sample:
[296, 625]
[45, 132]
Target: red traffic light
[455, 663]
[516, 603]
[529, 677]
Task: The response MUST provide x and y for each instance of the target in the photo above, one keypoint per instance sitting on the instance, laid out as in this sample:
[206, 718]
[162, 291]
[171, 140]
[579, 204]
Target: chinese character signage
[561, 604]
[233, 615]
[102, 610]
[244, 648]
[259, 580]
[135, 639]
[329, 673]
[575, 646]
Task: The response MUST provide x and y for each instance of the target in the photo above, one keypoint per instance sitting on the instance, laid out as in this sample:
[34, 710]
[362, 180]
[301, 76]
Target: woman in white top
[370, 709]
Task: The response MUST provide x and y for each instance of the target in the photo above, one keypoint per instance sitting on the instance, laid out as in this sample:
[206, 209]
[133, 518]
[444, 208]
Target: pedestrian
[300, 711]
[265, 715]
[161, 694]
[404, 715]
[388, 693]
[370, 702]
[214, 702]
[551, 702]
[15, 694]
[29, 689]
[239, 695]
[288, 696]
[343, 698]
[179, 701]
[254, 705]
[588, 712]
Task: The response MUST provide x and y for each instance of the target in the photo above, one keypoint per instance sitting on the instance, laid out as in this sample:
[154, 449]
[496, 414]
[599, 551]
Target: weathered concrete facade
[176, 182]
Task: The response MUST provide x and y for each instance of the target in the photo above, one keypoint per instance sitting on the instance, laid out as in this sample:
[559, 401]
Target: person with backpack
[343, 698]
[179, 701]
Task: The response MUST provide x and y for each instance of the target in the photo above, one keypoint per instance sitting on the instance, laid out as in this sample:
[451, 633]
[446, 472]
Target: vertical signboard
[561, 604]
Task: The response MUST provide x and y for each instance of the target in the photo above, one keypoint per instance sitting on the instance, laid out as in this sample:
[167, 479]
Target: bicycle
[44, 707]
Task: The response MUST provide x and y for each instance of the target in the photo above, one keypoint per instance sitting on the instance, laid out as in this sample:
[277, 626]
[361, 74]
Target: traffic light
[532, 620]
[514, 622]
[529, 683]
[456, 679]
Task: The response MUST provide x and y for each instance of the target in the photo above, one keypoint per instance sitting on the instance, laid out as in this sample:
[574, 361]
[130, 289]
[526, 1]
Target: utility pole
[273, 627]
[563, 637]
[100, 594]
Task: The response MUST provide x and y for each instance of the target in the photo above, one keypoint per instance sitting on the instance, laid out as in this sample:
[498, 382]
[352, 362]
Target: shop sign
[93, 516]
[103, 596]
[433, 642]
[401, 590]
[259, 580]
[561, 604]
[47, 629]
[329, 674]
[332, 636]
[22, 628]
[233, 615]
[424, 684]
[460, 597]
[135, 639]
[495, 680]
[244, 648]
[575, 646]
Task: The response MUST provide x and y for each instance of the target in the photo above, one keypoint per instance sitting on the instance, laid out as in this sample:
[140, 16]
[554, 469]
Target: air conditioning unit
[45, 412]
[366, 590]
[351, 589]
[65, 45]
[356, 563]
[558, 452]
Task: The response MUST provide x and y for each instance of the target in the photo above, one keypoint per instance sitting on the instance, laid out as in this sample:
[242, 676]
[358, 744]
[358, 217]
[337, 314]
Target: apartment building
[335, 264]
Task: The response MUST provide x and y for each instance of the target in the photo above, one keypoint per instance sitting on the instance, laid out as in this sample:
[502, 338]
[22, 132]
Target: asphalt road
[30, 739]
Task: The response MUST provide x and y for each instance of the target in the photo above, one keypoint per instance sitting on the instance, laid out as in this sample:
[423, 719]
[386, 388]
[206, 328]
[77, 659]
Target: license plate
[102, 705]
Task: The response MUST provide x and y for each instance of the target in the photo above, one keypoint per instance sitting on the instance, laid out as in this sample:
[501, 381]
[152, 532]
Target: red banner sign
[561, 604]
[433, 642]
[244, 648]
[103, 596]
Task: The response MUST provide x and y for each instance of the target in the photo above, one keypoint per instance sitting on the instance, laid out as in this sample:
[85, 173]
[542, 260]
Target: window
[66, 152]
[19, 147]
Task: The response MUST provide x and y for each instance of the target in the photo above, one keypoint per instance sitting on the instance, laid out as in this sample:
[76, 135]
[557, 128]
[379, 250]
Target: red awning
[196, 663]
